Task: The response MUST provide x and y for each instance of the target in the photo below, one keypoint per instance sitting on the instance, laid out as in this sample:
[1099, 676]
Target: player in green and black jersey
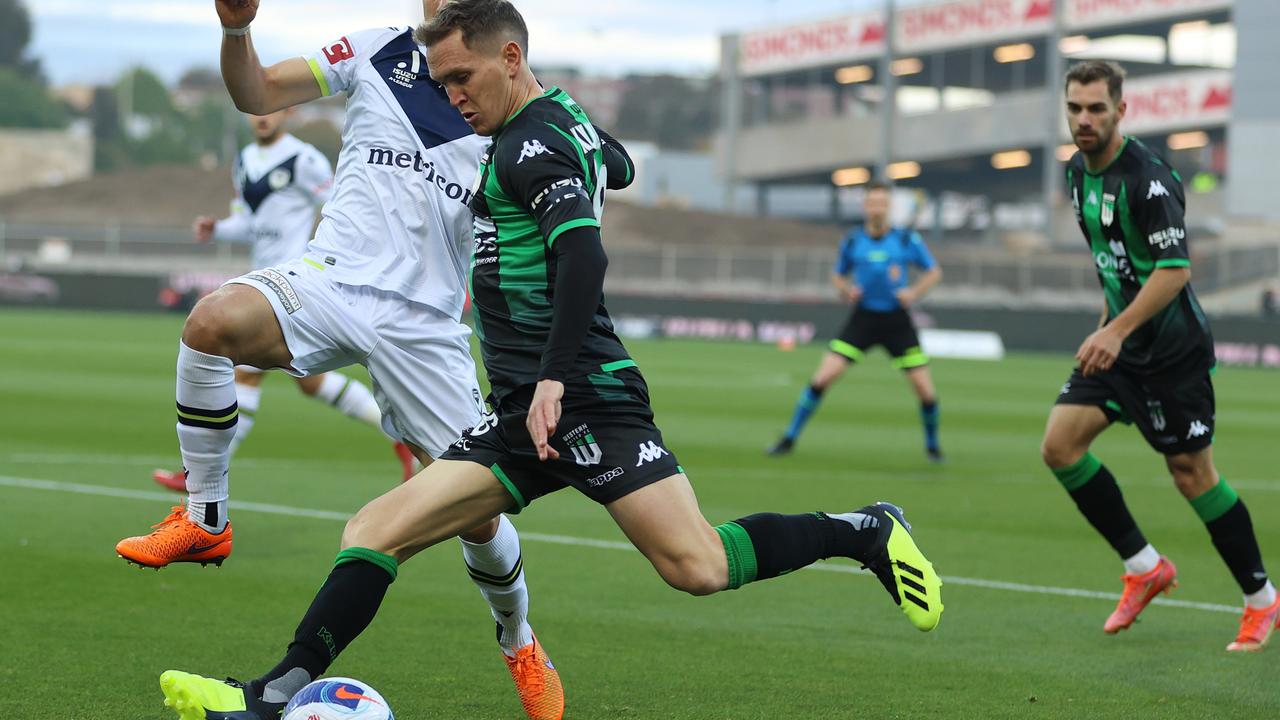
[1149, 363]
[571, 407]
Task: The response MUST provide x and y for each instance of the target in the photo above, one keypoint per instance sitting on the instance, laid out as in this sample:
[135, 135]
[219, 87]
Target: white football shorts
[420, 359]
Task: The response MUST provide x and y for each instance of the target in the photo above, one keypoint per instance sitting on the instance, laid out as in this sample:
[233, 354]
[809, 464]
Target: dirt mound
[172, 196]
[153, 197]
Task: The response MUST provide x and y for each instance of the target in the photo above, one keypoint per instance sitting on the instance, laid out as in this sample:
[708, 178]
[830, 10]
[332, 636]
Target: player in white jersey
[380, 285]
[280, 183]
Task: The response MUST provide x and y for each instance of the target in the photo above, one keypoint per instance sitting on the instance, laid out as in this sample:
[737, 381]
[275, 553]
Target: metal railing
[972, 274]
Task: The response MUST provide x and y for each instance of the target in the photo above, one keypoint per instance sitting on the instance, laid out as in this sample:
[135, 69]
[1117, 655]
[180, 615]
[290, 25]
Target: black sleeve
[1157, 203]
[616, 161]
[579, 284]
[543, 174]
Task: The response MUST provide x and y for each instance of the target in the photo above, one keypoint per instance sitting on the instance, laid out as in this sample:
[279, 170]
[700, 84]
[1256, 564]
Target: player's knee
[1192, 478]
[1057, 454]
[360, 531]
[205, 329]
[694, 575]
[482, 533]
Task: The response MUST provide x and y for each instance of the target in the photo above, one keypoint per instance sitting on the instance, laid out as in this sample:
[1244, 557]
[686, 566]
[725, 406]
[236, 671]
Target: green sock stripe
[1215, 502]
[740, 553]
[1073, 477]
[382, 560]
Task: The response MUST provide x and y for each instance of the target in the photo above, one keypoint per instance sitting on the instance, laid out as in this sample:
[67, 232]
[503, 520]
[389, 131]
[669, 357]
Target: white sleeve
[335, 64]
[315, 176]
[236, 227]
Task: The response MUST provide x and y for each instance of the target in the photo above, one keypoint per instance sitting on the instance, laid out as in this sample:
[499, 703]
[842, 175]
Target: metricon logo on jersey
[391, 158]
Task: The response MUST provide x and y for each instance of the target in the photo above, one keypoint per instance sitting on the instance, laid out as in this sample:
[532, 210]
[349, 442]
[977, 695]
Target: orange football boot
[175, 481]
[1139, 591]
[176, 539]
[537, 682]
[408, 463]
[1256, 627]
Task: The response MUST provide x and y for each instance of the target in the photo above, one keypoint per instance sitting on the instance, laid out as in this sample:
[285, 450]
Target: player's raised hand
[1098, 352]
[236, 13]
[202, 228]
[544, 415]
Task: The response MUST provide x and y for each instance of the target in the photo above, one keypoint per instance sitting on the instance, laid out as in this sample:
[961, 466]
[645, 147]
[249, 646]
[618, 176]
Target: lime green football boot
[201, 698]
[903, 570]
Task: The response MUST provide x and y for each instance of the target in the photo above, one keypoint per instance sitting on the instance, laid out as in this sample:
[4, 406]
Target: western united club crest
[583, 446]
[1108, 209]
[279, 179]
[1157, 415]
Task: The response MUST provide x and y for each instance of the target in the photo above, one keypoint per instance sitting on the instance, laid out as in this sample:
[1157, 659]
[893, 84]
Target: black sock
[767, 545]
[817, 391]
[1233, 536]
[1096, 493]
[342, 609]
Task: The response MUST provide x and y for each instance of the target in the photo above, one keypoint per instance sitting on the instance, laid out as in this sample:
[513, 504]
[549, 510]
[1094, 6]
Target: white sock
[248, 397]
[351, 398]
[1264, 598]
[207, 414]
[498, 570]
[1144, 562]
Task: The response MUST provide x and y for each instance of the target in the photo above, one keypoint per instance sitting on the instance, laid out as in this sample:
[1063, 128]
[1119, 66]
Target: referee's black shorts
[894, 330]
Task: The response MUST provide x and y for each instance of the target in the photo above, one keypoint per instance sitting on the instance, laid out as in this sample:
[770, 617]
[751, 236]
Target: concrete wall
[816, 145]
[44, 158]
[1255, 120]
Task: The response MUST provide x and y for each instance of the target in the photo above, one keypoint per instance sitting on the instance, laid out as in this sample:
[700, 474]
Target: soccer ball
[337, 698]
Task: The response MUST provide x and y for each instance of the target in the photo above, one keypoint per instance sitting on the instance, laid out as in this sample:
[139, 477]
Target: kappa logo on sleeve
[533, 148]
[339, 51]
[1157, 189]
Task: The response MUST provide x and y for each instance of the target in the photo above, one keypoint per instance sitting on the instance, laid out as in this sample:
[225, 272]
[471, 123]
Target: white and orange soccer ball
[337, 698]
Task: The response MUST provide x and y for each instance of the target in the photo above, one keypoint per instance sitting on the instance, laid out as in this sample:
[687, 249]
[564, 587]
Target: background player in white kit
[280, 183]
[381, 285]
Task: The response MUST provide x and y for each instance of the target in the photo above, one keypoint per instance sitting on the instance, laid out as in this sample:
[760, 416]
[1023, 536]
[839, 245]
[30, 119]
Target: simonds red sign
[923, 28]
[837, 40]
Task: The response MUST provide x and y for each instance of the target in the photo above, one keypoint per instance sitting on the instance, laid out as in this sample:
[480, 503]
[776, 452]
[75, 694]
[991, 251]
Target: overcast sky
[93, 40]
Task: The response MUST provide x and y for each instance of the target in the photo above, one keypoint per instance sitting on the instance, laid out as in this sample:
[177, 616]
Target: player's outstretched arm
[620, 171]
[253, 88]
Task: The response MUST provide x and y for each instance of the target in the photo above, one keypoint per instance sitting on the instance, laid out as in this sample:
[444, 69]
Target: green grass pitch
[87, 398]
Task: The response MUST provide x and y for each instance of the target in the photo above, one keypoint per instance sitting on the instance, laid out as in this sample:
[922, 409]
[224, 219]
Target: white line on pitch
[164, 460]
[82, 489]
[368, 466]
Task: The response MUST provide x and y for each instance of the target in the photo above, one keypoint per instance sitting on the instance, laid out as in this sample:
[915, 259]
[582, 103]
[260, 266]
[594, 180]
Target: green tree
[144, 95]
[27, 103]
[155, 131]
[15, 35]
[674, 112]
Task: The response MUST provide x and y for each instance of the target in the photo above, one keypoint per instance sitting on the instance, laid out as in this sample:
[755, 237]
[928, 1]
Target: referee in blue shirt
[872, 272]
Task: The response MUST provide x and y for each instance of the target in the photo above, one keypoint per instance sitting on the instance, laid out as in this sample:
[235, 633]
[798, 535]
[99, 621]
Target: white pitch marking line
[102, 490]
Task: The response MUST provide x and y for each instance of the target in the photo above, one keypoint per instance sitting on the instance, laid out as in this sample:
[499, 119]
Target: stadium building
[978, 118]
